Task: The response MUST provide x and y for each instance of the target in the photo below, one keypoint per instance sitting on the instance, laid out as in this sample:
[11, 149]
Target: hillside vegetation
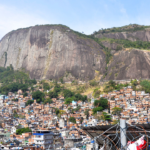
[121, 43]
[127, 43]
[12, 81]
[127, 28]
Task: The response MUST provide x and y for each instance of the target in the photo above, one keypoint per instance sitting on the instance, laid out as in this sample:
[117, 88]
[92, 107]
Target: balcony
[38, 138]
[43, 138]
[43, 142]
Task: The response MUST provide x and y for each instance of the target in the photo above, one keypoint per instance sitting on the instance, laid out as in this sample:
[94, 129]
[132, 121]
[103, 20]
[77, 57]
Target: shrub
[29, 102]
[38, 95]
[68, 100]
[46, 86]
[95, 110]
[103, 102]
[119, 47]
[23, 130]
[48, 101]
[72, 119]
[93, 83]
[96, 93]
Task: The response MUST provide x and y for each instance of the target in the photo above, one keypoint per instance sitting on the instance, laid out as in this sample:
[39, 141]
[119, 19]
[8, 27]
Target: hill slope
[52, 52]
[56, 51]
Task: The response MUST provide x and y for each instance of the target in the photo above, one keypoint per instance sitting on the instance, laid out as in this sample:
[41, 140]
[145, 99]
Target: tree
[93, 83]
[57, 111]
[72, 119]
[25, 94]
[112, 83]
[87, 113]
[77, 109]
[105, 116]
[61, 112]
[68, 93]
[15, 99]
[134, 82]
[95, 110]
[81, 120]
[84, 98]
[145, 84]
[53, 94]
[23, 130]
[29, 102]
[97, 103]
[57, 88]
[61, 80]
[117, 111]
[48, 100]
[38, 95]
[32, 88]
[46, 86]
[103, 102]
[34, 81]
[15, 114]
[68, 101]
[78, 97]
[71, 110]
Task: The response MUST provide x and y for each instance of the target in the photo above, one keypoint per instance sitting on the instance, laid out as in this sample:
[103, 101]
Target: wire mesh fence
[129, 137]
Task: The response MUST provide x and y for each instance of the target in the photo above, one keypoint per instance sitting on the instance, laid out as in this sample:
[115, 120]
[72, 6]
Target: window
[38, 136]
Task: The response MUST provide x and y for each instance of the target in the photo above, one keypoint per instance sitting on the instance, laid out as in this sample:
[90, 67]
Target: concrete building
[62, 123]
[43, 139]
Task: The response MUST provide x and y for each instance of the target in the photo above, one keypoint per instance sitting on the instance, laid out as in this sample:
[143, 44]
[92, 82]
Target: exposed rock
[112, 46]
[48, 52]
[129, 64]
[142, 35]
[55, 52]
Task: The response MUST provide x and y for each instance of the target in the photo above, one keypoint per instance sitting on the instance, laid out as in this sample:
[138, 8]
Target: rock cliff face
[142, 35]
[56, 51]
[129, 64]
[52, 52]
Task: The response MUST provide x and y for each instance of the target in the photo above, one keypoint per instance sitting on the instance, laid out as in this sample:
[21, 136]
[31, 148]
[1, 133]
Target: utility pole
[123, 133]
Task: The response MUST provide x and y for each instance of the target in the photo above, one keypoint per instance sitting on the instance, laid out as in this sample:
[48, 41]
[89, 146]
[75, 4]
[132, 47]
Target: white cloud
[11, 19]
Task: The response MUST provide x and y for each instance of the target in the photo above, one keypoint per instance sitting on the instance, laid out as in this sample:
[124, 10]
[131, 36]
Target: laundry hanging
[140, 144]
[102, 148]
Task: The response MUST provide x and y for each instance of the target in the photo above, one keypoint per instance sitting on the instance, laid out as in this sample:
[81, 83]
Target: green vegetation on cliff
[127, 28]
[127, 43]
[112, 85]
[97, 40]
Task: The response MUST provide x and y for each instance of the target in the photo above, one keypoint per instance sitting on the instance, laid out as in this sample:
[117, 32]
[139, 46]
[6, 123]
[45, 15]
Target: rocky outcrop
[129, 64]
[142, 35]
[52, 52]
[56, 51]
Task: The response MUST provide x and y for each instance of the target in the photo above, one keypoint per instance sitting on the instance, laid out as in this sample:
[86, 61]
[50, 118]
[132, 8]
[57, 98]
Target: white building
[13, 130]
[22, 104]
[93, 122]
[43, 139]
[62, 123]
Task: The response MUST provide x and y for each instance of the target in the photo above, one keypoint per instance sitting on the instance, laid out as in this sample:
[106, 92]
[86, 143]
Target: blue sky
[81, 15]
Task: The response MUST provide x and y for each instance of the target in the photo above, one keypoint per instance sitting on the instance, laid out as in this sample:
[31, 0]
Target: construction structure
[116, 137]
